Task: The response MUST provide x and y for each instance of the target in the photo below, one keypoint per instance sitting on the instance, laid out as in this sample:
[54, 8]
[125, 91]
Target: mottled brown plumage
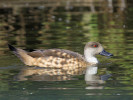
[57, 58]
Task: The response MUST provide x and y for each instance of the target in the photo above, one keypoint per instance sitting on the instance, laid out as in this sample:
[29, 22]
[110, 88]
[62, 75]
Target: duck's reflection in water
[94, 80]
[47, 74]
[54, 74]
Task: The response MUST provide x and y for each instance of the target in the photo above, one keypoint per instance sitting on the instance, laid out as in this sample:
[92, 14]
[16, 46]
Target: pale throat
[89, 57]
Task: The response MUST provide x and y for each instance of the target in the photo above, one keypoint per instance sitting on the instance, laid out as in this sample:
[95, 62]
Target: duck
[61, 58]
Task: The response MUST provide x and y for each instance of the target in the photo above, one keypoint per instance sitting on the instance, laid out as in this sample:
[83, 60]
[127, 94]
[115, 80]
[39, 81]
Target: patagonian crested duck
[60, 58]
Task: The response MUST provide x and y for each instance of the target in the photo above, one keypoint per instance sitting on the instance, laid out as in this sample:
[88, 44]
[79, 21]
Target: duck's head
[93, 48]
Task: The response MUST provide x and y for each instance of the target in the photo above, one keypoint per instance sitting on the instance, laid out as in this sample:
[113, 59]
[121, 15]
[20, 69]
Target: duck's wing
[61, 53]
[36, 53]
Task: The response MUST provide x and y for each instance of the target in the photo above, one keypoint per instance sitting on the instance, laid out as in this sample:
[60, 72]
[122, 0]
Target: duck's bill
[105, 53]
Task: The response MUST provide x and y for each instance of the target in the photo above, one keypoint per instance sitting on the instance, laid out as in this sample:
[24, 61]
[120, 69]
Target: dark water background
[43, 24]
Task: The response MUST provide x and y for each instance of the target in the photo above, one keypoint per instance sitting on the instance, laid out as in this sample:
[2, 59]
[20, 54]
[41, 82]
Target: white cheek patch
[89, 56]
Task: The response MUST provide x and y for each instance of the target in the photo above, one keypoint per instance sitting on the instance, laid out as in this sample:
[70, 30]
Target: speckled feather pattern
[58, 58]
[55, 58]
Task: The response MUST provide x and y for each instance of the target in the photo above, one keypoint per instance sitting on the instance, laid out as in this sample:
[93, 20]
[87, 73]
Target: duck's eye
[95, 45]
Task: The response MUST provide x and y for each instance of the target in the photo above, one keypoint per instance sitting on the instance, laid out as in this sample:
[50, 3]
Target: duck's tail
[22, 54]
[12, 48]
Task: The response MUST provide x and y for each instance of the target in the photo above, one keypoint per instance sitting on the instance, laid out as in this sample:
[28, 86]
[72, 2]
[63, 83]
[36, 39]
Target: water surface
[67, 25]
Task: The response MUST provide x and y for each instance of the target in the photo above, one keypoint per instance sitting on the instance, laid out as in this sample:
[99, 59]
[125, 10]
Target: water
[67, 25]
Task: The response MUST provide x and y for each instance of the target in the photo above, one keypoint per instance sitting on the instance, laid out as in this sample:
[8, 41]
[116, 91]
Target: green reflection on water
[68, 28]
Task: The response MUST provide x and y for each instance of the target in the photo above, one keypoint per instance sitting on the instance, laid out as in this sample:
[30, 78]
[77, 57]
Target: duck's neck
[90, 57]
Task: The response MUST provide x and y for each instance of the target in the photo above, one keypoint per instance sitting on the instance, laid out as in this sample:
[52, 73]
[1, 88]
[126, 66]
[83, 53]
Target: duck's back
[60, 53]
